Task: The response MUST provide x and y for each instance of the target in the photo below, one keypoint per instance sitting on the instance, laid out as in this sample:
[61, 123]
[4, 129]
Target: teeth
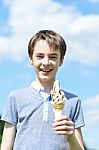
[46, 70]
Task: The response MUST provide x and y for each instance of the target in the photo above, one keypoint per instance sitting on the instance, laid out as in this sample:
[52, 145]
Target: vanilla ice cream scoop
[58, 99]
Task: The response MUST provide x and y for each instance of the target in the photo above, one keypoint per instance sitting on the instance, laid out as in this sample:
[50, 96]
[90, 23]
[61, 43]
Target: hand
[64, 126]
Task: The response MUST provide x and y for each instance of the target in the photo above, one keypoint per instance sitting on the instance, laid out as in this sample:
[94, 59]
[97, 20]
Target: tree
[1, 128]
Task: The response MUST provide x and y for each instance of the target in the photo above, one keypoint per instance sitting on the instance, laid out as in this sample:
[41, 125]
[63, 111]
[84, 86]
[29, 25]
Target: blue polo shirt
[30, 110]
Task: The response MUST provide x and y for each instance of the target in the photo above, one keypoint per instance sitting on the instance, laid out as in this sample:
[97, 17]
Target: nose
[45, 61]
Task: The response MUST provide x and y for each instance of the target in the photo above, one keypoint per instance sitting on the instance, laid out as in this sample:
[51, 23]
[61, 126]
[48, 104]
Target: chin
[45, 79]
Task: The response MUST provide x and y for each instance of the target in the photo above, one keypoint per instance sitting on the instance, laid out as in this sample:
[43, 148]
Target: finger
[62, 117]
[63, 128]
[64, 132]
[63, 122]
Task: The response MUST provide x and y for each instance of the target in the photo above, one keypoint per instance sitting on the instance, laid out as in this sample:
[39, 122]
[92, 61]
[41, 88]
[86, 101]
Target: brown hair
[54, 40]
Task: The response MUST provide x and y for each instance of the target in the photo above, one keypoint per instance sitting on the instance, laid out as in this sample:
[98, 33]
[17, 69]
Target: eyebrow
[52, 54]
[39, 53]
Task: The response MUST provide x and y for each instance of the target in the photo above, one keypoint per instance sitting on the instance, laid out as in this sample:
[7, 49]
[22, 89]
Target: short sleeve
[10, 114]
[77, 114]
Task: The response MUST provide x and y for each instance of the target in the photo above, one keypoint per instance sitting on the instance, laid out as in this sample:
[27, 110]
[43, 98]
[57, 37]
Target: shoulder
[70, 95]
[21, 93]
[72, 98]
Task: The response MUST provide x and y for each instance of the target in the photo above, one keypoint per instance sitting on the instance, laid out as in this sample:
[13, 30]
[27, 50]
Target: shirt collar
[36, 86]
[40, 89]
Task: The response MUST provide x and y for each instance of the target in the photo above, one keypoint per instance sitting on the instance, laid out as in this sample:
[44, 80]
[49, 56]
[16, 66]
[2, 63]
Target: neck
[47, 85]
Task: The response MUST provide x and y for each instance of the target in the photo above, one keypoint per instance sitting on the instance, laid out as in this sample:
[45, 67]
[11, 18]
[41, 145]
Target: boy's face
[45, 61]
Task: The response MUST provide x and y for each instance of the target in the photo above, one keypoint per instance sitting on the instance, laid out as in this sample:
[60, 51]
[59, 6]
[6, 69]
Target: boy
[29, 117]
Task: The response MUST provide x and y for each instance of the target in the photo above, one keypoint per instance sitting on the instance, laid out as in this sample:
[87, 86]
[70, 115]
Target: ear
[31, 61]
[61, 62]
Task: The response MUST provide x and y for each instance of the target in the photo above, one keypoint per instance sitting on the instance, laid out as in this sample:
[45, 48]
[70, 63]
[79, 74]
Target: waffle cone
[58, 107]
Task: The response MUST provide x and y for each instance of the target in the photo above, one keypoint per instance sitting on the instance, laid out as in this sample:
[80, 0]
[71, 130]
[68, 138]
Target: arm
[75, 140]
[74, 136]
[8, 137]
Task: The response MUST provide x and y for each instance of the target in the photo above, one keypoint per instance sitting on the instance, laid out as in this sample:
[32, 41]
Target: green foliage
[1, 129]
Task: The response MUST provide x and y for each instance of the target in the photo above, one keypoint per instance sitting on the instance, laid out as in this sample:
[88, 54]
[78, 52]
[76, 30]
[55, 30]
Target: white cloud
[84, 32]
[93, 1]
[91, 102]
[26, 18]
[91, 115]
[91, 110]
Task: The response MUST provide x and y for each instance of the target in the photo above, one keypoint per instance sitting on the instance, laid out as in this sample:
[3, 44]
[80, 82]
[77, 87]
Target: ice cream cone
[58, 99]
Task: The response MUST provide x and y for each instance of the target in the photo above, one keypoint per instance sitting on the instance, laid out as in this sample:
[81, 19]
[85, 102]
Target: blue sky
[78, 23]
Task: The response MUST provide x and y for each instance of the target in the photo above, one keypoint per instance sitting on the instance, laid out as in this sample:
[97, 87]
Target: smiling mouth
[47, 70]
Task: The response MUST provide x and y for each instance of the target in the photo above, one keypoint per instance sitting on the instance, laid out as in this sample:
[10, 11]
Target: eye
[53, 57]
[39, 56]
